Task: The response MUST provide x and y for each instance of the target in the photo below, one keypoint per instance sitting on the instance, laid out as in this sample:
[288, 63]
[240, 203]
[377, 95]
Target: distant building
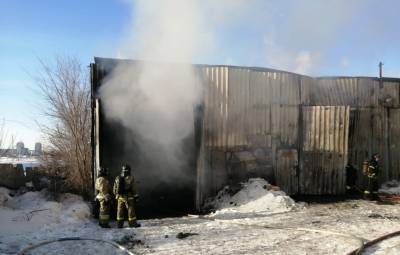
[20, 148]
[8, 152]
[38, 149]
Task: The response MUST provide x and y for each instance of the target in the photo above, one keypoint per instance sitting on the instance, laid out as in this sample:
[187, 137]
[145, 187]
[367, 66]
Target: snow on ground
[33, 217]
[256, 196]
[4, 196]
[25, 161]
[391, 188]
[274, 226]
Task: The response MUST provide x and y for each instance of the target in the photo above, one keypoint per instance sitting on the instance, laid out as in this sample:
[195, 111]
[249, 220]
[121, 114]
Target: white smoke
[302, 61]
[156, 96]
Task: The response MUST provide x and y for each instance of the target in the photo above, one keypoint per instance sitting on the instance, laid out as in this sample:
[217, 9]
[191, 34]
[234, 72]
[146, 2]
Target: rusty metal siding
[374, 130]
[360, 141]
[355, 92]
[394, 146]
[335, 91]
[261, 109]
[285, 143]
[324, 150]
[260, 112]
[379, 139]
[389, 94]
[288, 126]
[367, 92]
[307, 90]
[241, 103]
[248, 110]
[238, 109]
[216, 105]
[289, 89]
[287, 170]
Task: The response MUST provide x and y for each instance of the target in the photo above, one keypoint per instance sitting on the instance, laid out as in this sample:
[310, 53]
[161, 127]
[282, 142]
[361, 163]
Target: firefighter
[371, 170]
[126, 195]
[351, 179]
[102, 187]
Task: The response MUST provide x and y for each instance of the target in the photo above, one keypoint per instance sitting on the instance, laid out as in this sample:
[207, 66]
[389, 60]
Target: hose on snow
[114, 244]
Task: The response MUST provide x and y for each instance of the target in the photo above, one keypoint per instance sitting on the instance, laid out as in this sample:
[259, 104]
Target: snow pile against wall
[74, 208]
[256, 196]
[4, 195]
[391, 187]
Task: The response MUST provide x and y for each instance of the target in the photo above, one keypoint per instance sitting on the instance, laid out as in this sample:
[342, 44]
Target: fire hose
[362, 244]
[359, 240]
[373, 242]
[32, 247]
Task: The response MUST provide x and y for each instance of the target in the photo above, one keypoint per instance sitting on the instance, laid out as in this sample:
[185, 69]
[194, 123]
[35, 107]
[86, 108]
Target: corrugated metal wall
[324, 150]
[248, 109]
[355, 92]
[216, 106]
[256, 111]
[241, 103]
[267, 120]
[394, 146]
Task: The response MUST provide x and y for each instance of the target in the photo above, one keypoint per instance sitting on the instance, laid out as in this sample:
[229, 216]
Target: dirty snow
[256, 196]
[4, 196]
[391, 188]
[333, 228]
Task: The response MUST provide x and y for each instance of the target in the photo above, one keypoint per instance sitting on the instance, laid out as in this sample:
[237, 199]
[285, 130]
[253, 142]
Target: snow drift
[4, 196]
[34, 216]
[256, 196]
[390, 188]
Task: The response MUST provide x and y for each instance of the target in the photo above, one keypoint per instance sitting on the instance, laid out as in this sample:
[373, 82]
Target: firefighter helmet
[126, 170]
[102, 171]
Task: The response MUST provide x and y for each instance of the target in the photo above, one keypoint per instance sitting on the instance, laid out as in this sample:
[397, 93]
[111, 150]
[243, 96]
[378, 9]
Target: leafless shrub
[3, 136]
[64, 85]
[6, 141]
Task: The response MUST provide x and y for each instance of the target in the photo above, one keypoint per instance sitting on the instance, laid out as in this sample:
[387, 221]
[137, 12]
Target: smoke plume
[155, 97]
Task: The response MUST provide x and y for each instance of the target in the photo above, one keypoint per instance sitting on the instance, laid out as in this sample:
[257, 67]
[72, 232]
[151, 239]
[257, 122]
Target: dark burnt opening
[159, 196]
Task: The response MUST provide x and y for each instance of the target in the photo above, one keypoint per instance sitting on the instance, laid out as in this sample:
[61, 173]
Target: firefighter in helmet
[102, 187]
[371, 170]
[126, 195]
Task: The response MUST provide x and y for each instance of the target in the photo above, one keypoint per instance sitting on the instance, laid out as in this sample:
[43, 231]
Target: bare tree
[64, 85]
[5, 138]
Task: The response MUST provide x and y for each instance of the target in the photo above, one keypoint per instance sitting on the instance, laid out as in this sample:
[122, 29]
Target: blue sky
[332, 37]
[44, 29]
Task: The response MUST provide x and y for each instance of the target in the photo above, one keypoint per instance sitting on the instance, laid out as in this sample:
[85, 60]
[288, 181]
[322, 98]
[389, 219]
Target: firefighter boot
[104, 224]
[367, 195]
[134, 224]
[120, 223]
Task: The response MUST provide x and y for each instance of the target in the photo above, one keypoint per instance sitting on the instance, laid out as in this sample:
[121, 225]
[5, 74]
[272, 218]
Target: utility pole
[380, 69]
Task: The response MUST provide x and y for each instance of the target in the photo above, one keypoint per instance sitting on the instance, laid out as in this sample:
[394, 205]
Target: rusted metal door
[287, 170]
[325, 132]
